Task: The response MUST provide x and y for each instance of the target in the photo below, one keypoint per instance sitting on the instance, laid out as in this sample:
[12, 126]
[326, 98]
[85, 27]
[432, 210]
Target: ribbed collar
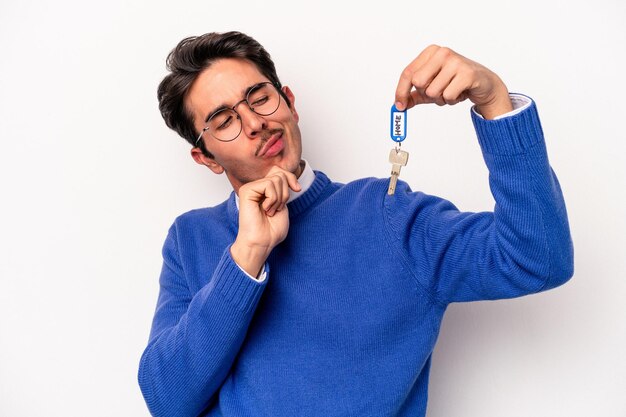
[306, 200]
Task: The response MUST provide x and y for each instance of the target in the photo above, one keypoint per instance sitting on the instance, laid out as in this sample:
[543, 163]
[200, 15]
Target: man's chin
[295, 168]
[293, 165]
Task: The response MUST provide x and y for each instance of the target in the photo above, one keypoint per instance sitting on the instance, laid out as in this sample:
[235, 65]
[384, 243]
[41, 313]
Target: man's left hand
[441, 76]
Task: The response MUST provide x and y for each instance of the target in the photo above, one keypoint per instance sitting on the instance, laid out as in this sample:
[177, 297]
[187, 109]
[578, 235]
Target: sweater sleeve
[523, 246]
[194, 339]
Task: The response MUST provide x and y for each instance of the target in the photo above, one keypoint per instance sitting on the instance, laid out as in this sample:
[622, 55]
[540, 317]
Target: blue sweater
[346, 322]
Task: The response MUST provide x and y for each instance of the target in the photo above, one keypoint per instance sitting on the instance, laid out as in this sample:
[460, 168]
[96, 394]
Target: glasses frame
[233, 108]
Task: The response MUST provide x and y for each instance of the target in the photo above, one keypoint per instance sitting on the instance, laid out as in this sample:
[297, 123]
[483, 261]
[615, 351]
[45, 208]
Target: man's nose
[252, 122]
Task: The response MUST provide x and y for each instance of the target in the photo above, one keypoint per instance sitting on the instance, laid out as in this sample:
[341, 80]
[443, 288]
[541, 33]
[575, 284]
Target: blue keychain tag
[398, 124]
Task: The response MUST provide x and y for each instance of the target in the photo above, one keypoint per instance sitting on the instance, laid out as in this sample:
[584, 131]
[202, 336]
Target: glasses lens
[264, 99]
[225, 125]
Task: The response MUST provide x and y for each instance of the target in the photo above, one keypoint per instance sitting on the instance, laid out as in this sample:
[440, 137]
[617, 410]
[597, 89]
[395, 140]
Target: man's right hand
[263, 218]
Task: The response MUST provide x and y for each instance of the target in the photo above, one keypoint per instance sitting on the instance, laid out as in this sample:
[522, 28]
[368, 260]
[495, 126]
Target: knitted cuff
[236, 287]
[509, 135]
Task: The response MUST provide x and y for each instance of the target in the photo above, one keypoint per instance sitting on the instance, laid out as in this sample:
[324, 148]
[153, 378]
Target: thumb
[293, 182]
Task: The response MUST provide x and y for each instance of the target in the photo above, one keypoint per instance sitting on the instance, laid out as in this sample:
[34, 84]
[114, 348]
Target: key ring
[397, 157]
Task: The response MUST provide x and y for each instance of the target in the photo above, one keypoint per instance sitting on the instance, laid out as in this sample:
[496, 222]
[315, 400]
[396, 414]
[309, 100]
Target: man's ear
[292, 99]
[202, 159]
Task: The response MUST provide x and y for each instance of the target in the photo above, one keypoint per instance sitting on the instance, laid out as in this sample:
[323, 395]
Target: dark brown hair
[190, 57]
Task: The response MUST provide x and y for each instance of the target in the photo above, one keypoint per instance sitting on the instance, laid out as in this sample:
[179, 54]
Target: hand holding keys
[397, 157]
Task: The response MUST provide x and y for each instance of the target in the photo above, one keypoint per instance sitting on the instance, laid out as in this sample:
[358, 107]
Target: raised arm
[524, 245]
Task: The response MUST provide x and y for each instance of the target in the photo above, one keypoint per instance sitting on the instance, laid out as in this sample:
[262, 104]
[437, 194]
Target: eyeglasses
[225, 124]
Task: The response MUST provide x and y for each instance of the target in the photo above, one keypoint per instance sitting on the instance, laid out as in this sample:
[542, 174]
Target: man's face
[248, 157]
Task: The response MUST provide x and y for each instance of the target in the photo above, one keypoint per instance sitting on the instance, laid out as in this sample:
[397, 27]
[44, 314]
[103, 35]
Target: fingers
[455, 92]
[271, 193]
[449, 87]
[291, 179]
[274, 195]
[438, 75]
[404, 99]
[435, 87]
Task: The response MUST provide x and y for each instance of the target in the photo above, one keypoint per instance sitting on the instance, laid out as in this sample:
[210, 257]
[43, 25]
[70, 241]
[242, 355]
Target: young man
[298, 296]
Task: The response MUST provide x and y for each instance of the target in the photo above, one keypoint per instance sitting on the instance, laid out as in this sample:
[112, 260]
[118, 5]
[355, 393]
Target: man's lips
[273, 146]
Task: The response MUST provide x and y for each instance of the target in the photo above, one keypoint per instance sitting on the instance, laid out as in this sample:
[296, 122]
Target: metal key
[398, 158]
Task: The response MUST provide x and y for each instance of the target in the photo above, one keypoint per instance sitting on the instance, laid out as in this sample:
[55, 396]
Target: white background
[91, 179]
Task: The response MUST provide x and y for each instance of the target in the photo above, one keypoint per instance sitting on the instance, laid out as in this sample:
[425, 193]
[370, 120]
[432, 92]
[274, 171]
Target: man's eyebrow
[224, 107]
